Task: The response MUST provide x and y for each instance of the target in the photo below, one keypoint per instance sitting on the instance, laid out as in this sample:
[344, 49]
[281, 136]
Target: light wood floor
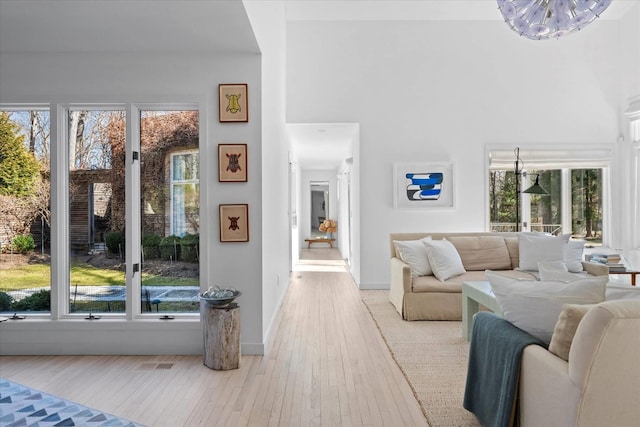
[326, 365]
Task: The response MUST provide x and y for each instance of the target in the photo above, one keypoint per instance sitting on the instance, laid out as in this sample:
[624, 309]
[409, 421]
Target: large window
[170, 217]
[96, 207]
[25, 211]
[125, 198]
[575, 181]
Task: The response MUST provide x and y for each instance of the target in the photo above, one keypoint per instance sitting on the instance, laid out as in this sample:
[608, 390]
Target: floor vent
[154, 366]
[164, 366]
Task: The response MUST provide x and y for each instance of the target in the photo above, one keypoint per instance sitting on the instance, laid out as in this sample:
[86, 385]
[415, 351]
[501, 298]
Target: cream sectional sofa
[427, 298]
[598, 384]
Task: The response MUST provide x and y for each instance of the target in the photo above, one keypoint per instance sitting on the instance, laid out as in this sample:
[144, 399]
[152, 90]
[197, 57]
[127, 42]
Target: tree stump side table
[221, 334]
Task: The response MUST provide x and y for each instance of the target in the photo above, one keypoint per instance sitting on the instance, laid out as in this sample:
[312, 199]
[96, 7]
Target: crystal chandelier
[547, 19]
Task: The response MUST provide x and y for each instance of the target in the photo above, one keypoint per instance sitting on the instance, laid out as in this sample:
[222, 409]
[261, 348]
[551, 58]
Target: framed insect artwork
[232, 162]
[234, 223]
[233, 102]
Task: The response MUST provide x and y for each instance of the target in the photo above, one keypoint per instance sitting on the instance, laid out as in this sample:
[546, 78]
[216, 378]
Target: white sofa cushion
[414, 254]
[573, 255]
[534, 306]
[444, 259]
[535, 248]
[556, 270]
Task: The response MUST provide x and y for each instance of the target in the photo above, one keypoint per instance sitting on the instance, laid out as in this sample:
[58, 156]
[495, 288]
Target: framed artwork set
[233, 162]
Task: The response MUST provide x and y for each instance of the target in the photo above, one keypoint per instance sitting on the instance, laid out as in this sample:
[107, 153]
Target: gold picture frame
[234, 223]
[232, 162]
[233, 100]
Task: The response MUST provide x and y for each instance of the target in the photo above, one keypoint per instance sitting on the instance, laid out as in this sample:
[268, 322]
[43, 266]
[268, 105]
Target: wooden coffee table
[632, 273]
[475, 294]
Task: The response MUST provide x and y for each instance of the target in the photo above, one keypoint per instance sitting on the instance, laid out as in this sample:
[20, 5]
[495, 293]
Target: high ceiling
[414, 10]
[125, 26]
[201, 25]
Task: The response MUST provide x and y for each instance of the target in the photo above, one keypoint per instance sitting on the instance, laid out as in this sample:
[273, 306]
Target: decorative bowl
[220, 300]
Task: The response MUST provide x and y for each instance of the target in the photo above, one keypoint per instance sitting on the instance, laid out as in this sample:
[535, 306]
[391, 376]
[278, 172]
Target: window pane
[185, 167]
[25, 273]
[170, 211]
[502, 195]
[586, 206]
[546, 210]
[97, 211]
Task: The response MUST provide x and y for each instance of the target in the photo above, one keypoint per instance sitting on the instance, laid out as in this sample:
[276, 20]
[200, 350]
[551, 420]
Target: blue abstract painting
[423, 185]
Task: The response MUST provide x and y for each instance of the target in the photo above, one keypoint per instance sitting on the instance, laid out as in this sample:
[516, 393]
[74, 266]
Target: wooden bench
[319, 240]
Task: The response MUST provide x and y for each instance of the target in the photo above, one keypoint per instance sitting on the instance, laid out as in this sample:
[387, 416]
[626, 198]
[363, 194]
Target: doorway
[319, 192]
[323, 185]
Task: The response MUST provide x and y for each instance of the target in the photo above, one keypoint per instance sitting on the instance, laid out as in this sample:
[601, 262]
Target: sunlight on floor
[327, 260]
[326, 266]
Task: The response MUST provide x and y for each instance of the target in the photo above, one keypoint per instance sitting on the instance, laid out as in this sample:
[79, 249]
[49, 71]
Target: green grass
[88, 275]
[25, 277]
[151, 280]
[38, 276]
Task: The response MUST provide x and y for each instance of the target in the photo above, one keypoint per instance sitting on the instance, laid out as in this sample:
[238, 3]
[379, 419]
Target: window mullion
[525, 204]
[566, 201]
[132, 201]
[59, 212]
[607, 226]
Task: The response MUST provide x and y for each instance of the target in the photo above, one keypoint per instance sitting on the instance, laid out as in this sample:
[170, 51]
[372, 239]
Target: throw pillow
[534, 248]
[414, 254]
[566, 327]
[444, 259]
[573, 255]
[556, 270]
[534, 306]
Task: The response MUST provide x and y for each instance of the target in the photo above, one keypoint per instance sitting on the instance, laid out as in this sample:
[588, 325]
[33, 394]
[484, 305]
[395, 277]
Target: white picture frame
[424, 185]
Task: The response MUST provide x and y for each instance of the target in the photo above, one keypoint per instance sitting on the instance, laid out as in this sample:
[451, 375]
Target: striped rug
[24, 406]
[433, 357]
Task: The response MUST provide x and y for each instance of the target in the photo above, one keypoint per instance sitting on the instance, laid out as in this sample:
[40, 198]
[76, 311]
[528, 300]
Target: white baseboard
[373, 286]
[110, 337]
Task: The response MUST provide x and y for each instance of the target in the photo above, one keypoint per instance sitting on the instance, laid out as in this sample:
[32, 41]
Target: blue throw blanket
[494, 367]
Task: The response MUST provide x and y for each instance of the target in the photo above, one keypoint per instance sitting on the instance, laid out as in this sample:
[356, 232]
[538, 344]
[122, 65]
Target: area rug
[433, 358]
[24, 406]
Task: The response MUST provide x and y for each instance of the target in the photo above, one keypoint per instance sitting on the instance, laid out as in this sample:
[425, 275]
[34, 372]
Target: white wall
[139, 78]
[442, 91]
[267, 20]
[630, 151]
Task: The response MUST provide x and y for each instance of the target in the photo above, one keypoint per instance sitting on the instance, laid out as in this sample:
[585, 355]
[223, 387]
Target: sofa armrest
[400, 283]
[595, 269]
[548, 397]
[400, 274]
